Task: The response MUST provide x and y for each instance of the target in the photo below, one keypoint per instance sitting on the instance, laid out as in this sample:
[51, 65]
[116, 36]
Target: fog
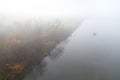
[60, 7]
[59, 39]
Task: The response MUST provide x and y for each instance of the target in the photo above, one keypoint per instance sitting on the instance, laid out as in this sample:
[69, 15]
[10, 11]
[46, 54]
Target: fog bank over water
[60, 7]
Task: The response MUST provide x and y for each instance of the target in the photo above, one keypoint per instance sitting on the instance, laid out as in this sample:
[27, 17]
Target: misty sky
[60, 7]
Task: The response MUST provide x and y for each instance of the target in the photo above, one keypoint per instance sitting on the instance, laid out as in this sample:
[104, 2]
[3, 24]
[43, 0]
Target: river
[92, 52]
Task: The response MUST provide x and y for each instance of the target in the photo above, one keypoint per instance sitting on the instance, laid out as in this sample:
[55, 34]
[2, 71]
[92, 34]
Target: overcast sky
[60, 7]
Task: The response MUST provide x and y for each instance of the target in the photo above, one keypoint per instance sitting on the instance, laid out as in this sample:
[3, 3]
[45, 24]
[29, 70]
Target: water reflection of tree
[38, 70]
[57, 52]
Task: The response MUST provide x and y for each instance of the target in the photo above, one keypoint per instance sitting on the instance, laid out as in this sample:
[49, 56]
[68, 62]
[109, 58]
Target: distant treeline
[25, 44]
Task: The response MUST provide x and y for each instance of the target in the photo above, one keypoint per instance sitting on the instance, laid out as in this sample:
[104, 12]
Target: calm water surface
[92, 52]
